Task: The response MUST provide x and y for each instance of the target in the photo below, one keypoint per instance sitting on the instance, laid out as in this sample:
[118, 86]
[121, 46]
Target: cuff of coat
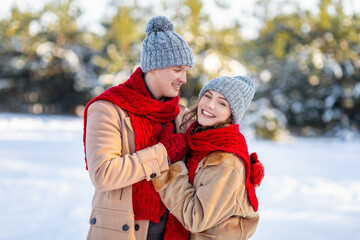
[176, 169]
[155, 162]
[167, 156]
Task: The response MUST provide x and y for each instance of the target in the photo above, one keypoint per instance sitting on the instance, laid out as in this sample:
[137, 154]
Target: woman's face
[166, 82]
[213, 108]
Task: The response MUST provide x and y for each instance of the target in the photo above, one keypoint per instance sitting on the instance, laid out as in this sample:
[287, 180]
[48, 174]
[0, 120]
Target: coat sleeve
[108, 167]
[211, 203]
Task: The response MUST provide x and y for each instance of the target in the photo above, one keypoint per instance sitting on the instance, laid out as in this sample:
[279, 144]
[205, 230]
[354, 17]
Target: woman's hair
[191, 116]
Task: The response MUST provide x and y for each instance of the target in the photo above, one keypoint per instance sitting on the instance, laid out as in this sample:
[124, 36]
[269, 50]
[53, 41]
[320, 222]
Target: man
[122, 130]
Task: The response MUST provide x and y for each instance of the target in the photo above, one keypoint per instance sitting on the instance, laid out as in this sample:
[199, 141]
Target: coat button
[137, 227]
[93, 221]
[153, 175]
[125, 227]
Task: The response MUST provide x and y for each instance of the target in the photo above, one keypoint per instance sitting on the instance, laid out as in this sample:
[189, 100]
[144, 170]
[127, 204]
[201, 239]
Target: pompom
[257, 170]
[159, 24]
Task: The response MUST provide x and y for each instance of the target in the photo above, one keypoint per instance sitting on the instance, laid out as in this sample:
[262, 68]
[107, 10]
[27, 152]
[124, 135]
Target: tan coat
[216, 205]
[114, 167]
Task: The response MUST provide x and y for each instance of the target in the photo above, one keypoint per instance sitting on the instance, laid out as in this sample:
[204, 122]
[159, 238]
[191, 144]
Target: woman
[213, 196]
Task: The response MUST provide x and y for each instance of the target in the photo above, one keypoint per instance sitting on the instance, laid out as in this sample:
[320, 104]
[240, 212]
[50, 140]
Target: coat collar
[214, 158]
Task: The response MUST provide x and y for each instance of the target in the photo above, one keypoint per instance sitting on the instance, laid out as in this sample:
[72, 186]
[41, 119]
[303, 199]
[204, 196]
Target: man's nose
[182, 78]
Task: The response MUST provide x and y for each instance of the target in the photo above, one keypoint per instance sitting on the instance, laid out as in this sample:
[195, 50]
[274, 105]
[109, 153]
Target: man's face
[166, 82]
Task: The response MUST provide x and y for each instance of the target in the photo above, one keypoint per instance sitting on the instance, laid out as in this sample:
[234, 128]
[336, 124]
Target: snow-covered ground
[311, 189]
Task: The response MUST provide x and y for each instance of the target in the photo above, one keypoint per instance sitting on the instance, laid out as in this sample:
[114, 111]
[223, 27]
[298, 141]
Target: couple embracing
[160, 170]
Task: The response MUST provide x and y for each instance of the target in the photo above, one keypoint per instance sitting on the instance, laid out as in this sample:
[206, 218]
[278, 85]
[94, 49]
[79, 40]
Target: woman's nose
[211, 104]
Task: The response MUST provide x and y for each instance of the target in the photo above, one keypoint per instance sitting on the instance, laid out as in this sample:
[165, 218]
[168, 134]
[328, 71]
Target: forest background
[305, 64]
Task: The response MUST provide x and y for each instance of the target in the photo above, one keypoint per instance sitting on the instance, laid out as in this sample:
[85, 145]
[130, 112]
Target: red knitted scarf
[227, 139]
[146, 115]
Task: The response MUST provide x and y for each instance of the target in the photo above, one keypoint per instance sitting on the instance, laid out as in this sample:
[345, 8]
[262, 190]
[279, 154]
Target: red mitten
[175, 144]
[257, 170]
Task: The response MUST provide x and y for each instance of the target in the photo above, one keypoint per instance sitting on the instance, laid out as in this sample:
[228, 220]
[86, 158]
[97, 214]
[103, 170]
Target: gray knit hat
[238, 91]
[163, 47]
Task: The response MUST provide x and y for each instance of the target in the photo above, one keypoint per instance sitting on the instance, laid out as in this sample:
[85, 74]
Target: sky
[242, 11]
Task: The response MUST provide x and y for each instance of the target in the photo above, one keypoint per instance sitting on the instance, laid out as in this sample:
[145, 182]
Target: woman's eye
[223, 104]
[208, 96]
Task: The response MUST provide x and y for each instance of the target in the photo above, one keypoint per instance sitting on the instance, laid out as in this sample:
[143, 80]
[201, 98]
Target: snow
[45, 190]
[311, 188]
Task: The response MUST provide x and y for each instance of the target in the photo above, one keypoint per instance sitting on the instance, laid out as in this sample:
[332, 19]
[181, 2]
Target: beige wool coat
[216, 205]
[114, 167]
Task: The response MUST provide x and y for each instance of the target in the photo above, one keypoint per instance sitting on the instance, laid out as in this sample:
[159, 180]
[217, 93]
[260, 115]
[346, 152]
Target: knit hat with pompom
[163, 47]
[238, 91]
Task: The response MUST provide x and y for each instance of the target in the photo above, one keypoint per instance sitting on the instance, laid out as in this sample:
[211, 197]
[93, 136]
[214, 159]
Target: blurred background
[303, 56]
[304, 122]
